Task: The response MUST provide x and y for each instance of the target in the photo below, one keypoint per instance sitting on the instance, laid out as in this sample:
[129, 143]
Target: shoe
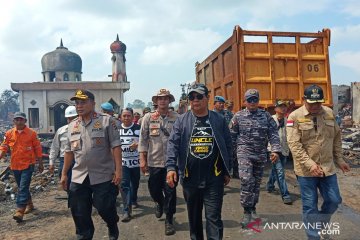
[287, 201]
[135, 205]
[29, 207]
[236, 175]
[245, 220]
[19, 215]
[113, 232]
[254, 215]
[169, 228]
[158, 210]
[126, 217]
[270, 190]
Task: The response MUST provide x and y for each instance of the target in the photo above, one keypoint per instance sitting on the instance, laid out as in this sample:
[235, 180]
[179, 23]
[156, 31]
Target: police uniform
[154, 134]
[92, 174]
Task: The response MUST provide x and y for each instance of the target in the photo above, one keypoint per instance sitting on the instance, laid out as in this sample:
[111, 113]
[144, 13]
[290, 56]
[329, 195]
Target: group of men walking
[199, 149]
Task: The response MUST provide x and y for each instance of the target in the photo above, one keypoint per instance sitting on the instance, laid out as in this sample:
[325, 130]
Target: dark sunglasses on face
[197, 96]
[252, 100]
[19, 119]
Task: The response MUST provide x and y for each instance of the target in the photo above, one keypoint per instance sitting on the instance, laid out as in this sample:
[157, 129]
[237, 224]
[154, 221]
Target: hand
[344, 167]
[274, 157]
[117, 178]
[133, 146]
[316, 171]
[226, 180]
[41, 167]
[63, 181]
[51, 169]
[143, 166]
[171, 178]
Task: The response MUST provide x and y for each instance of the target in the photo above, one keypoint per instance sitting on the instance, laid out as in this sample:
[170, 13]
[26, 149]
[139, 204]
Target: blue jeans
[23, 179]
[277, 173]
[329, 190]
[129, 186]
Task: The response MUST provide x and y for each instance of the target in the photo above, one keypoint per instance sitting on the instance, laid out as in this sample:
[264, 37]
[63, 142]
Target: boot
[29, 207]
[169, 226]
[19, 215]
[246, 218]
[158, 210]
[254, 215]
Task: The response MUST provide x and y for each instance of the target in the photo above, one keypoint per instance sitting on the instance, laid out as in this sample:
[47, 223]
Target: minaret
[118, 50]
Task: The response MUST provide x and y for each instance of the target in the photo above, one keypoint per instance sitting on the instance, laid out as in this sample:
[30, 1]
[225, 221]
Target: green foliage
[9, 102]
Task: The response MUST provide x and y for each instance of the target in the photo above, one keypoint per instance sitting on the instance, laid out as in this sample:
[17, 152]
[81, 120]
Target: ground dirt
[52, 219]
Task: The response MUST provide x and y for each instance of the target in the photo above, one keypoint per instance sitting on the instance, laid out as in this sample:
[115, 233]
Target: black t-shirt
[204, 164]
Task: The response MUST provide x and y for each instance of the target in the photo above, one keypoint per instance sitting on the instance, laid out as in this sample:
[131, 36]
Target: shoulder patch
[290, 123]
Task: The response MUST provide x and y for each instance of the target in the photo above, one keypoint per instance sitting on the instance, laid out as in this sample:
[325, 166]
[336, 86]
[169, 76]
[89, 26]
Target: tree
[9, 103]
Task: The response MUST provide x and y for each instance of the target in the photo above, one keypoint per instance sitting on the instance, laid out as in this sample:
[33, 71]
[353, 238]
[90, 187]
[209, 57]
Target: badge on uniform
[154, 129]
[154, 132]
[98, 141]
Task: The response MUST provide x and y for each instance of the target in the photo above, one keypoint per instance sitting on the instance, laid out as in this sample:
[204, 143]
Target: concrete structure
[45, 102]
[341, 96]
[355, 97]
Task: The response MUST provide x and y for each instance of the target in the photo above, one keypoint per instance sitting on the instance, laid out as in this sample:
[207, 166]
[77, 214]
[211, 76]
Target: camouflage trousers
[251, 169]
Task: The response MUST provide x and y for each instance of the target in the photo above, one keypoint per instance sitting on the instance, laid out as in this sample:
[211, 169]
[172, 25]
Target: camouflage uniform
[250, 132]
[227, 115]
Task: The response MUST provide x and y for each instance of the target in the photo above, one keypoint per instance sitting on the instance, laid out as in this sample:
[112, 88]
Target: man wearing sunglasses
[25, 149]
[251, 130]
[154, 134]
[200, 146]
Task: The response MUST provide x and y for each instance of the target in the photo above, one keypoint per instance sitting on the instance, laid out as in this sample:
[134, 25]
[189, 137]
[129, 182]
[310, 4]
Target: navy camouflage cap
[280, 102]
[251, 93]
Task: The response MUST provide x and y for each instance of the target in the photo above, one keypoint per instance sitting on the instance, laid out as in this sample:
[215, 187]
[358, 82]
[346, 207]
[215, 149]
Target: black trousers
[160, 192]
[212, 198]
[81, 199]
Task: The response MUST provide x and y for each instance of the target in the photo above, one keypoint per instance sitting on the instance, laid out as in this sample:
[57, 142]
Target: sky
[164, 38]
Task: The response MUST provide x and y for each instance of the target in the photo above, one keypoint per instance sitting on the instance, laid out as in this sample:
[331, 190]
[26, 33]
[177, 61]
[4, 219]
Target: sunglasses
[197, 96]
[252, 100]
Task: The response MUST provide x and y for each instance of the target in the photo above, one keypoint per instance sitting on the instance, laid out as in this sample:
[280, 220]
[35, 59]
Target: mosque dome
[117, 46]
[61, 59]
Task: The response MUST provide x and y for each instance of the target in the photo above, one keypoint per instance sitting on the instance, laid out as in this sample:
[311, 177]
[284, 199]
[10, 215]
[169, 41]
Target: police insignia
[252, 91]
[98, 141]
[97, 125]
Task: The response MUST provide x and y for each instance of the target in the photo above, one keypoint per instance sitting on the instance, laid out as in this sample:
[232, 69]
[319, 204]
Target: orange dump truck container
[279, 64]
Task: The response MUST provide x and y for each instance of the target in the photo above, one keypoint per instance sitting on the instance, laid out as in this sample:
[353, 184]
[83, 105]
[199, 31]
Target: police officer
[314, 139]
[94, 142]
[251, 130]
[155, 131]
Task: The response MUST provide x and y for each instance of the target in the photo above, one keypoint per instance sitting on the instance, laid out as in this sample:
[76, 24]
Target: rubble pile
[41, 182]
[351, 145]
